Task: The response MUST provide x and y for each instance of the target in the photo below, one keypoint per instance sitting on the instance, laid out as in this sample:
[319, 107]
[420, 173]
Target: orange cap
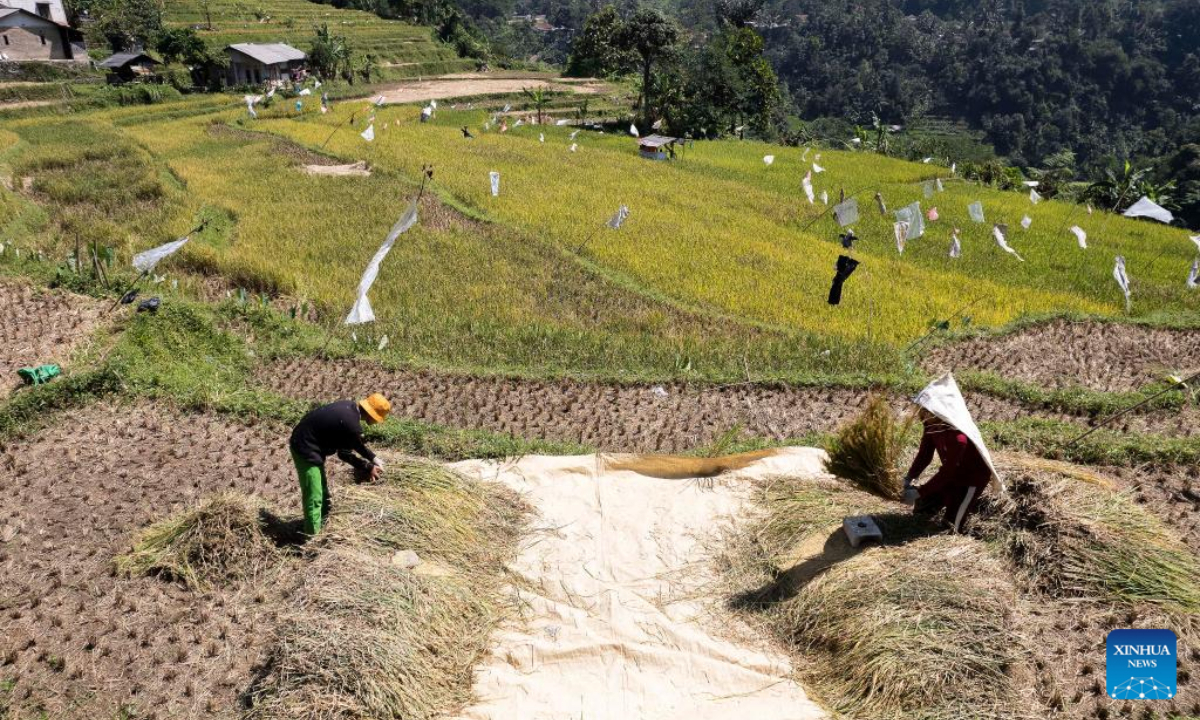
[376, 407]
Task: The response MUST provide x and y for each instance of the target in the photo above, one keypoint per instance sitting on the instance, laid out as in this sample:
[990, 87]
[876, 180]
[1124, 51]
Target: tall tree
[652, 36]
[598, 51]
[121, 24]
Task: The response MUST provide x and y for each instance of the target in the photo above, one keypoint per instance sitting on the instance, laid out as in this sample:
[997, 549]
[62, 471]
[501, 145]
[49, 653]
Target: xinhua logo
[1141, 665]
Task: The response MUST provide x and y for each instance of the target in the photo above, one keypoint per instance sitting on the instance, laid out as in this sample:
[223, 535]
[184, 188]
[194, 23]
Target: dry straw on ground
[373, 639]
[1078, 539]
[219, 540]
[367, 637]
[924, 630]
[940, 626]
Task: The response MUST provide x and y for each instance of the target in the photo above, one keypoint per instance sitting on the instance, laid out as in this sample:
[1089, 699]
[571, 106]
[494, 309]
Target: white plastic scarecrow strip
[619, 219]
[1000, 233]
[145, 261]
[362, 311]
[1122, 279]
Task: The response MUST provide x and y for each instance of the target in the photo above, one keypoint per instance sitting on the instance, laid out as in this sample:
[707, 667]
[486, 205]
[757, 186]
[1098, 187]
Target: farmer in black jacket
[333, 429]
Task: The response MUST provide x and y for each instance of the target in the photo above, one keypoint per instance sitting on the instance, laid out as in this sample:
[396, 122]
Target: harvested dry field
[79, 641]
[461, 85]
[40, 326]
[1100, 356]
[669, 418]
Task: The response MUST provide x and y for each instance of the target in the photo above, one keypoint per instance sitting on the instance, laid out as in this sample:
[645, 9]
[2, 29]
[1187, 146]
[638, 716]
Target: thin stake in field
[129, 288]
[1174, 384]
[339, 126]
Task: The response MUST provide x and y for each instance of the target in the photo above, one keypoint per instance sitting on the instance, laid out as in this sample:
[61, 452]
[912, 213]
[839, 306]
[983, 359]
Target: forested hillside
[1103, 78]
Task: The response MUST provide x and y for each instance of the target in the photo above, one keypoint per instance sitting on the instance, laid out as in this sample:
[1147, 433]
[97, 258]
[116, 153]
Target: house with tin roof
[256, 64]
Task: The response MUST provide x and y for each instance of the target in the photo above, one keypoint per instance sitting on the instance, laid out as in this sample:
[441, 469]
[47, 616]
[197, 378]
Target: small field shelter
[657, 147]
[130, 67]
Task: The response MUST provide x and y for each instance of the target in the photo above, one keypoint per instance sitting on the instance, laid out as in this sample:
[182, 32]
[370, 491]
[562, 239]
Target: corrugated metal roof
[269, 54]
[120, 60]
[656, 141]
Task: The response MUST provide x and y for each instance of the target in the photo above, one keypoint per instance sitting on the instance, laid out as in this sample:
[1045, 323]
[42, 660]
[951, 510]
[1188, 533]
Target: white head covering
[943, 399]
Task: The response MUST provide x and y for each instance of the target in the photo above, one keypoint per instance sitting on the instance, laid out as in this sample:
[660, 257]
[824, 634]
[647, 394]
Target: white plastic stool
[861, 527]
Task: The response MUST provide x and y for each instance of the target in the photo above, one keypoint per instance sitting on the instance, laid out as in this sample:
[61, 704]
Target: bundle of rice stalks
[370, 639]
[923, 631]
[1081, 540]
[435, 511]
[869, 450]
[219, 540]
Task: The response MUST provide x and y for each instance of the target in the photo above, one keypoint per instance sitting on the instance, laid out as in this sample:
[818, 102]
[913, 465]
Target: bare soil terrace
[465, 85]
[668, 418]
[79, 641]
[40, 326]
[1100, 356]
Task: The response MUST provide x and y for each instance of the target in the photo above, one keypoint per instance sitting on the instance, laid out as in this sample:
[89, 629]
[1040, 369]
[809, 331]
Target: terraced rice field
[293, 21]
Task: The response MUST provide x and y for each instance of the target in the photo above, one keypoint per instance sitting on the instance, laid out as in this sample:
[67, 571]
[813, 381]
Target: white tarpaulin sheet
[145, 261]
[1147, 208]
[613, 629]
[362, 312]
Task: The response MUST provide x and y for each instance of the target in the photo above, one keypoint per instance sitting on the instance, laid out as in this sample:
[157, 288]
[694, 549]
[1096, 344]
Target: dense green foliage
[1100, 78]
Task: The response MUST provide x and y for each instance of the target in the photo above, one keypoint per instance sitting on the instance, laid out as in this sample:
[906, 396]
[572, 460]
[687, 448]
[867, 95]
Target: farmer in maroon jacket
[966, 468]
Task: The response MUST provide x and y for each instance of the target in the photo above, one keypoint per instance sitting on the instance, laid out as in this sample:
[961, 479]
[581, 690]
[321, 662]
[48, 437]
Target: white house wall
[57, 12]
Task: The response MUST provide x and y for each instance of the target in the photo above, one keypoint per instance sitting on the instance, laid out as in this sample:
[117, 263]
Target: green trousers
[314, 494]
